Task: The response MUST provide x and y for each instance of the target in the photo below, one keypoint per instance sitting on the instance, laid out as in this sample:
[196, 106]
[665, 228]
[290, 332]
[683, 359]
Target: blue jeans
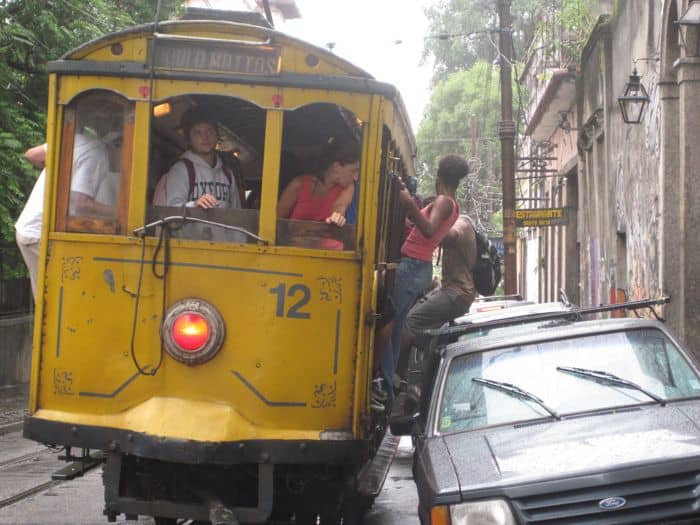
[413, 278]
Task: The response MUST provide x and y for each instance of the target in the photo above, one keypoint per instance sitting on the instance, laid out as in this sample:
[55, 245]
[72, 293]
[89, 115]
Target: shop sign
[541, 217]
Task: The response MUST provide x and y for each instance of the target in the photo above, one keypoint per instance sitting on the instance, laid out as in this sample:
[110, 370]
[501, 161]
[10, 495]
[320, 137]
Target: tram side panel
[286, 369]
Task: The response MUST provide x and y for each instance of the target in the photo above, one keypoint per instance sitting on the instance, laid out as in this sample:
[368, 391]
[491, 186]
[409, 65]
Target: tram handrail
[141, 230]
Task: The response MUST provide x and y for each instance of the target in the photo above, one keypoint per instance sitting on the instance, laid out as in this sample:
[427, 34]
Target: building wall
[619, 171]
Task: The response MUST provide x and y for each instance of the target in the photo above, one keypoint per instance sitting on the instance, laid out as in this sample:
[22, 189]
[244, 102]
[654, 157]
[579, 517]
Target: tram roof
[350, 77]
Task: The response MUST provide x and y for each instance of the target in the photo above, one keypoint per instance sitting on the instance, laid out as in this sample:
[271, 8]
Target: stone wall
[15, 349]
[619, 204]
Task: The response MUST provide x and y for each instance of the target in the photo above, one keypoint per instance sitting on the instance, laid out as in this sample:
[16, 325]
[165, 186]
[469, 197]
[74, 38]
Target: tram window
[214, 178]
[93, 165]
[319, 173]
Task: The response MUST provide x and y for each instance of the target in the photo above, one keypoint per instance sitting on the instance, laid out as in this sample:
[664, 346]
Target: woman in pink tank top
[415, 272]
[325, 195]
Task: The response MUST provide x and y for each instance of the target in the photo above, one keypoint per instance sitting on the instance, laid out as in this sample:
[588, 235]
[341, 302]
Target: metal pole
[506, 132]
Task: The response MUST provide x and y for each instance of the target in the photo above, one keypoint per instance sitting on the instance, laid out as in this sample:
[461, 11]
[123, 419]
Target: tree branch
[25, 68]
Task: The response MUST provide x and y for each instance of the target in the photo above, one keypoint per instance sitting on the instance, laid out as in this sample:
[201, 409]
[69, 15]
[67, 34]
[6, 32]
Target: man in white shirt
[28, 225]
[89, 193]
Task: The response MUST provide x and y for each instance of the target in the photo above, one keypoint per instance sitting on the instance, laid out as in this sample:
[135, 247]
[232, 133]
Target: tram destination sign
[541, 217]
[217, 57]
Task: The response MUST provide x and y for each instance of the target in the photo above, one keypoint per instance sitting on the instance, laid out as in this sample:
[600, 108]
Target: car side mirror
[403, 425]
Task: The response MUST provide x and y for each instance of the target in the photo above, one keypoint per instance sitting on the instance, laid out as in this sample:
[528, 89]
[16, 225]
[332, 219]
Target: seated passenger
[93, 189]
[198, 178]
[326, 195]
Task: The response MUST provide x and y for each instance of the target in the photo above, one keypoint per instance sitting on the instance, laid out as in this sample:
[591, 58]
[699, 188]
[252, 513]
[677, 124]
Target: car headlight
[487, 512]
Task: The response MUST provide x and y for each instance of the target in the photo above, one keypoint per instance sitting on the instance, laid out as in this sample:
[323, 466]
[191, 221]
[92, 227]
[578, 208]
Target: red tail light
[193, 331]
[190, 331]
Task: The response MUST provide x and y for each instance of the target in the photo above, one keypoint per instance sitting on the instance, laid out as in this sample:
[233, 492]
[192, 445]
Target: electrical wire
[137, 299]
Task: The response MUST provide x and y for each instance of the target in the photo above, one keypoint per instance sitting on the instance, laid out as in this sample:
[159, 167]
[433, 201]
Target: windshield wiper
[609, 379]
[515, 391]
[139, 232]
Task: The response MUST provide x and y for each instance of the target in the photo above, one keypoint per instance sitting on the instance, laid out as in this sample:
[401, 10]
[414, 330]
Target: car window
[646, 357]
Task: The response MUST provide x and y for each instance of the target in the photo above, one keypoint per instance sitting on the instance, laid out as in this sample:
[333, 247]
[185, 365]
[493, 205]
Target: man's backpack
[487, 271]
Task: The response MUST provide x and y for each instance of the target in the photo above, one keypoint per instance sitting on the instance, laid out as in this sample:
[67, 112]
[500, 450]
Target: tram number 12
[294, 311]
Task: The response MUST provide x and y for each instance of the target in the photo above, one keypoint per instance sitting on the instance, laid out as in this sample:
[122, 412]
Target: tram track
[19, 459]
[28, 469]
[29, 492]
[27, 472]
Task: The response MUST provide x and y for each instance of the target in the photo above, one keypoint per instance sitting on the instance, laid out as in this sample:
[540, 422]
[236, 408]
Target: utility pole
[506, 132]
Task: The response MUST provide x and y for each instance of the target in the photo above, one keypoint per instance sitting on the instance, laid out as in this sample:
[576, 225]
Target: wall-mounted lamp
[691, 18]
[633, 99]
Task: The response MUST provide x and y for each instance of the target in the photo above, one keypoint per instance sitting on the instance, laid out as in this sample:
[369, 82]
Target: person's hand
[405, 197]
[336, 218]
[207, 201]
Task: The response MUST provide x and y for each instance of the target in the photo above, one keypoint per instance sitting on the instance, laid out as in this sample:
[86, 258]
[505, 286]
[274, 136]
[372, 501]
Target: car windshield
[645, 357]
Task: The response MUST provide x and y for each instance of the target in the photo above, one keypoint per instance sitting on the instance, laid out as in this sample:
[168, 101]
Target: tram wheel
[354, 510]
[165, 521]
[330, 518]
[305, 518]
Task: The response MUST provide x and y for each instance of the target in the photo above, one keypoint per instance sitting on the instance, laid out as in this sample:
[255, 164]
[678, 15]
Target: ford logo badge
[612, 503]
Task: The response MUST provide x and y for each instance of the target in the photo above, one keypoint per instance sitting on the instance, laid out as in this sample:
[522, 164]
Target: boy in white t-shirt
[28, 225]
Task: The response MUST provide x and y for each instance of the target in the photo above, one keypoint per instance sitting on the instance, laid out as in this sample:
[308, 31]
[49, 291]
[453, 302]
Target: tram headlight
[193, 331]
[190, 331]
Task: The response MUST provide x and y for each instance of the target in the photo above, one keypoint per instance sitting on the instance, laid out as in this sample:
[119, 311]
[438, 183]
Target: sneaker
[412, 401]
[376, 406]
[377, 392]
[399, 384]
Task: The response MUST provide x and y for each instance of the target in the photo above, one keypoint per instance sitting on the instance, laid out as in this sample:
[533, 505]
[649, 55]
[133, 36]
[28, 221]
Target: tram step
[371, 478]
[78, 468]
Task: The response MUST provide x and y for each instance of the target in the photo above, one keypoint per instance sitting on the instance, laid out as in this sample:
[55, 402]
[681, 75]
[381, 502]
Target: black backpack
[487, 271]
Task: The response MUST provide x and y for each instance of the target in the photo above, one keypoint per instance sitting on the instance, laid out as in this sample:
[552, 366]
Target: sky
[365, 32]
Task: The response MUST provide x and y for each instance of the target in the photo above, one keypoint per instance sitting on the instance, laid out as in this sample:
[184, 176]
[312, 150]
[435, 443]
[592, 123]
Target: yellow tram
[267, 414]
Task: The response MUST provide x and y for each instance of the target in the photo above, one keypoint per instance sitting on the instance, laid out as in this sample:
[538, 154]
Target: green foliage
[446, 128]
[33, 32]
[458, 34]
[466, 83]
[565, 27]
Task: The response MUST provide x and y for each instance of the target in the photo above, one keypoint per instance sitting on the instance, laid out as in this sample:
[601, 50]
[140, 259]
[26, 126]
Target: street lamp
[633, 100]
[690, 19]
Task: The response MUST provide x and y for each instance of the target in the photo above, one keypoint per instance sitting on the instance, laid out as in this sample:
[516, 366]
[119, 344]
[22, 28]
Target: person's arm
[83, 204]
[36, 156]
[450, 237]
[289, 198]
[340, 206]
[440, 210]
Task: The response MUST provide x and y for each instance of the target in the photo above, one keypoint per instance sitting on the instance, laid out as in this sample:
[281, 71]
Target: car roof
[543, 330]
[508, 309]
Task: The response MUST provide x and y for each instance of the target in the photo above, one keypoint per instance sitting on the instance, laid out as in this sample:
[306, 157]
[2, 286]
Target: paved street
[29, 496]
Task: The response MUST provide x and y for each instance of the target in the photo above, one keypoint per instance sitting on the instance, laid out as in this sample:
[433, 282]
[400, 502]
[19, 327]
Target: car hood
[505, 456]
